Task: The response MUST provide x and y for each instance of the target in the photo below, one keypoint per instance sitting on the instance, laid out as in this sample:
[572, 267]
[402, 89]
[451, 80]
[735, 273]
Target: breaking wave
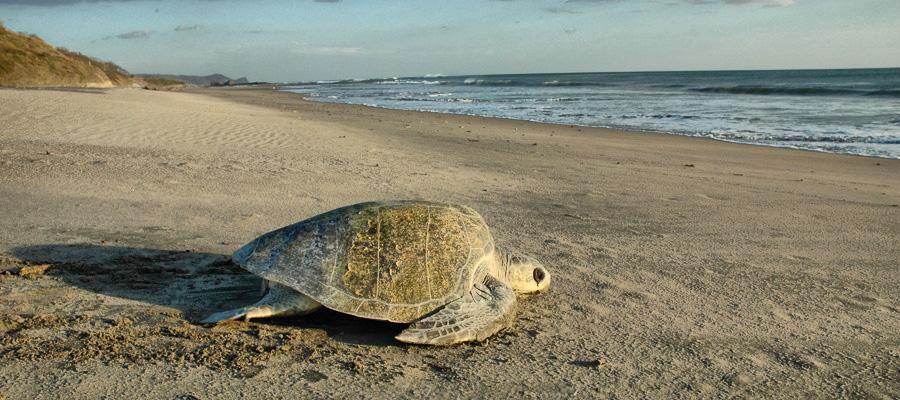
[842, 111]
[797, 91]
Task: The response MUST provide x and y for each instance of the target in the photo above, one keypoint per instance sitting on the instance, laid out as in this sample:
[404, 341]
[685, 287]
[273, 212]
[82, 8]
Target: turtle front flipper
[489, 307]
[279, 301]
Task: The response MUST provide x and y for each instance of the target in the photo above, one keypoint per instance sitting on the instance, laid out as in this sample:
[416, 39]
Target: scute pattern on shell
[405, 255]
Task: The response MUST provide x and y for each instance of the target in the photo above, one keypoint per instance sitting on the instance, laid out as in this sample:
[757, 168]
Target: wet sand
[681, 266]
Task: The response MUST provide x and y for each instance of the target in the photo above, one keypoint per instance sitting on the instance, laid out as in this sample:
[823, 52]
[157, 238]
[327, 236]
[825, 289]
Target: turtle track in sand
[140, 311]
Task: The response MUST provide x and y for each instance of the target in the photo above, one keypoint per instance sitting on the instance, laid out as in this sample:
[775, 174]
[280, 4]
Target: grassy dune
[28, 61]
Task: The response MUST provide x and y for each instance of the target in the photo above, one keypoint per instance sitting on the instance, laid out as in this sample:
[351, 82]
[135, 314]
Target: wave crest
[796, 91]
[487, 82]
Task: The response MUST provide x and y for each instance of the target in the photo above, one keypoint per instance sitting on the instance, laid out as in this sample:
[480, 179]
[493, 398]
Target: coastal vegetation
[29, 61]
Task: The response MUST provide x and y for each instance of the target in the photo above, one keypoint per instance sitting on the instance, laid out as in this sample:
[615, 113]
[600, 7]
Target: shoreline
[843, 112]
[571, 126]
[621, 130]
[681, 266]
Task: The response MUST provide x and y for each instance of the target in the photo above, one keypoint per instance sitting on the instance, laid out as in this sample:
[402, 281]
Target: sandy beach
[682, 267]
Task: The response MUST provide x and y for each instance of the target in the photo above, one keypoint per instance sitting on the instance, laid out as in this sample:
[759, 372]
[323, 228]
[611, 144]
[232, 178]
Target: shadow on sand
[194, 283]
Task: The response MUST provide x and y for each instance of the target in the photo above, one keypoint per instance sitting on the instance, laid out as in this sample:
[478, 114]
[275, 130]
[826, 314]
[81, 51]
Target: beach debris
[472, 140]
[598, 363]
[689, 165]
[405, 261]
[33, 271]
[313, 376]
[443, 370]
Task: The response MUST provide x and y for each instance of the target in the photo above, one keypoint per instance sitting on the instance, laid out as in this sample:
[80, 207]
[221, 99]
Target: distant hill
[208, 80]
[28, 61]
[238, 81]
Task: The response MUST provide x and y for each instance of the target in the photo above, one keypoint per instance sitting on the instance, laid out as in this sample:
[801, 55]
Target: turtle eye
[538, 275]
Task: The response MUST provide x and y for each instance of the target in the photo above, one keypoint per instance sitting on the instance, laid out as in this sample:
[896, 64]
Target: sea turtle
[430, 264]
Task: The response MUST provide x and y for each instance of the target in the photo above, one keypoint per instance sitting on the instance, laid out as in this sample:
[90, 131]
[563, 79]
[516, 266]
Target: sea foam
[843, 111]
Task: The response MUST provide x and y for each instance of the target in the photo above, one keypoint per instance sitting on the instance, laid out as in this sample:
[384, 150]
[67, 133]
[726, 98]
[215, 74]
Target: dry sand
[683, 267]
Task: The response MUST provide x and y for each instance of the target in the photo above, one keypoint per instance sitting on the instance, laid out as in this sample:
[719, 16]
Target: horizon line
[438, 75]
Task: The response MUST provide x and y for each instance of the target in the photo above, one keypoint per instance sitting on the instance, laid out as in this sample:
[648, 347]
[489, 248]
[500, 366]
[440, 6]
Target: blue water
[840, 111]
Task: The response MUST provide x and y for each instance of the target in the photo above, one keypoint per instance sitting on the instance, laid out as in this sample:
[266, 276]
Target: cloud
[186, 28]
[51, 3]
[131, 35]
[561, 10]
[764, 3]
[299, 47]
[330, 51]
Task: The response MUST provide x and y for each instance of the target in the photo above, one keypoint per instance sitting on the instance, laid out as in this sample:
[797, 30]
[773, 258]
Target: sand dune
[28, 61]
[683, 267]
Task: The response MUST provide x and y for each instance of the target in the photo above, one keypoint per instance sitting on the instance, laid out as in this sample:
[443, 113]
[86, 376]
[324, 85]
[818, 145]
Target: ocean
[851, 111]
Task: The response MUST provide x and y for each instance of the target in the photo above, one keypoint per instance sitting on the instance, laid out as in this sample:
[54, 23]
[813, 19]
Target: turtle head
[523, 273]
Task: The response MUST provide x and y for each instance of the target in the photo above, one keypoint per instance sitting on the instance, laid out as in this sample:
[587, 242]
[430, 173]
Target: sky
[289, 41]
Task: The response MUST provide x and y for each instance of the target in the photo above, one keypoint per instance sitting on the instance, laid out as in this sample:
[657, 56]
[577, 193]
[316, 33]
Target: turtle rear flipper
[487, 308]
[279, 301]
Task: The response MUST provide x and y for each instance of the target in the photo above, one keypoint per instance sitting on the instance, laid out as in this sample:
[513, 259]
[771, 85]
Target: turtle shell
[395, 261]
